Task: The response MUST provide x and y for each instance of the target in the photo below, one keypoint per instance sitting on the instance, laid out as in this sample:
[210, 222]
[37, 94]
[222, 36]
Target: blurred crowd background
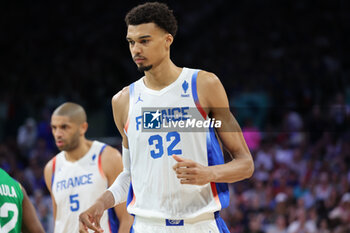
[285, 67]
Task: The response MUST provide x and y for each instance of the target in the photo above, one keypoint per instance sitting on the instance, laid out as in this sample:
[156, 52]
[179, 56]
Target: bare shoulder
[48, 173]
[208, 83]
[110, 153]
[48, 166]
[211, 92]
[205, 77]
[111, 161]
[120, 107]
[122, 97]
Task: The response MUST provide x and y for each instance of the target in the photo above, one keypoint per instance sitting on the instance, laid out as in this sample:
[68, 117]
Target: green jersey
[11, 197]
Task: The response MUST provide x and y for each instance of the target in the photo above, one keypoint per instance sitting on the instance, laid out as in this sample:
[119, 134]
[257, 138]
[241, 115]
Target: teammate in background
[178, 179]
[81, 172]
[17, 213]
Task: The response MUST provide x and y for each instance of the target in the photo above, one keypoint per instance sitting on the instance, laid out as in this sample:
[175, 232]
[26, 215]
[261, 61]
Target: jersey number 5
[157, 141]
[4, 213]
[74, 202]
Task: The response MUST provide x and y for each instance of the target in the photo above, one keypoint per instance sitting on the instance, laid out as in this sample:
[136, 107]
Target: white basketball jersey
[76, 186]
[155, 190]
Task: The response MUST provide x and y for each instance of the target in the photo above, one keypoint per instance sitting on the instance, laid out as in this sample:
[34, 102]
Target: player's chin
[60, 146]
[143, 68]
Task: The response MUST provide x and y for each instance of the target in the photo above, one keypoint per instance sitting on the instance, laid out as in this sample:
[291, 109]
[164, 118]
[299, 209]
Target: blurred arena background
[284, 64]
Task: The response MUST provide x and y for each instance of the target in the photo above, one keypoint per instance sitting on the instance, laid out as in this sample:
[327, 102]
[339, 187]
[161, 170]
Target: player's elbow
[249, 168]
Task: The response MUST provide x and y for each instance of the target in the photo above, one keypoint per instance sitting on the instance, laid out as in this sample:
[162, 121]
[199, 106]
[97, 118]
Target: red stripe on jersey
[133, 200]
[53, 170]
[201, 110]
[100, 166]
[215, 193]
[126, 126]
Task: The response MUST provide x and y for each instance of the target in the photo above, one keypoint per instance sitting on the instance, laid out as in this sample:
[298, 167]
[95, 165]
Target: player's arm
[118, 191]
[213, 98]
[48, 180]
[112, 166]
[30, 221]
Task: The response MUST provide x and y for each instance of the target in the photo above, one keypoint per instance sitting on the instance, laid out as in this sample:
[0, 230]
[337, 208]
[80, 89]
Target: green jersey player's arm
[212, 96]
[30, 221]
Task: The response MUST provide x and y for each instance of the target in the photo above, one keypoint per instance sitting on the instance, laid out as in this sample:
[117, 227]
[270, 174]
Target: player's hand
[190, 172]
[90, 219]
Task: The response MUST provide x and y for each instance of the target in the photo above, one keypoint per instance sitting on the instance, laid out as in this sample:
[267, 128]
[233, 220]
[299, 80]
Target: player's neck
[79, 152]
[162, 75]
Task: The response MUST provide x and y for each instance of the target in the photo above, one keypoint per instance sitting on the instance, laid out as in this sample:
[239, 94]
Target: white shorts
[207, 223]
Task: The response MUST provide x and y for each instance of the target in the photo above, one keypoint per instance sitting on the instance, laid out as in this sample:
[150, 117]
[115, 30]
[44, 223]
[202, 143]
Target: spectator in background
[340, 216]
[281, 204]
[265, 156]
[278, 226]
[339, 111]
[284, 154]
[316, 123]
[251, 135]
[43, 208]
[255, 224]
[298, 163]
[323, 189]
[303, 191]
[293, 124]
[323, 226]
[26, 137]
[41, 152]
[34, 173]
[22, 177]
[7, 158]
[302, 224]
[44, 129]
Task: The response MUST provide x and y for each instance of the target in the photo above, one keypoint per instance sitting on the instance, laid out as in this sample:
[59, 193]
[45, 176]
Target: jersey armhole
[131, 103]
[53, 171]
[195, 94]
[100, 161]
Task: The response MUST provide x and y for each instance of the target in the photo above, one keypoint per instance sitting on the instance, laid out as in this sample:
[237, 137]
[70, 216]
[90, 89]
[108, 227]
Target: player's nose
[136, 49]
[58, 133]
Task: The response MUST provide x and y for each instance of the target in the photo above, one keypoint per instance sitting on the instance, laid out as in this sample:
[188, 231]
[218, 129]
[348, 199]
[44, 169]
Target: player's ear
[168, 40]
[83, 128]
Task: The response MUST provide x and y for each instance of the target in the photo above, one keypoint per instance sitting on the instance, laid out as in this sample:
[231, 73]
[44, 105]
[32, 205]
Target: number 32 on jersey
[156, 141]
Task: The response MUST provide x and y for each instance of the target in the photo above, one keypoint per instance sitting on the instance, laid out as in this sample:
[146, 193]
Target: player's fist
[90, 219]
[190, 172]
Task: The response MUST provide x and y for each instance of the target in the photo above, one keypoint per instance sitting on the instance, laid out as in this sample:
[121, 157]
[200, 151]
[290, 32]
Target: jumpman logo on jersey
[139, 99]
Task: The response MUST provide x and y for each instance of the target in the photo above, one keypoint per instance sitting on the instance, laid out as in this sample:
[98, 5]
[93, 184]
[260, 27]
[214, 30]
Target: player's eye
[144, 41]
[131, 42]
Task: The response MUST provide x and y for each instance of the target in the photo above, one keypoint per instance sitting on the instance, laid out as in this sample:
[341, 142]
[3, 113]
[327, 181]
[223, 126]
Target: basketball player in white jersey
[81, 172]
[177, 180]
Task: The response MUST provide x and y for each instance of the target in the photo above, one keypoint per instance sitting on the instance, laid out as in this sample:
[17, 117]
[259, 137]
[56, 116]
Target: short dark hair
[153, 12]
